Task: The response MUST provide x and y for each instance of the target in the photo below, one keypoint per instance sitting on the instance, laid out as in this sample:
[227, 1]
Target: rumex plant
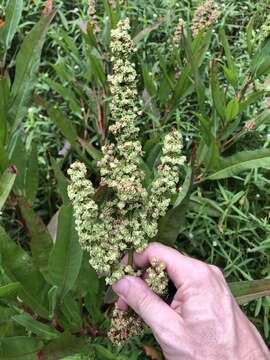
[128, 99]
[130, 216]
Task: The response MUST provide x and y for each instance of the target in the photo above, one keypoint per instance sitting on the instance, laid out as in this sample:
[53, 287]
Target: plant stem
[130, 257]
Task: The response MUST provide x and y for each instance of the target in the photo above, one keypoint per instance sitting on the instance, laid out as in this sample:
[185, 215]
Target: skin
[203, 321]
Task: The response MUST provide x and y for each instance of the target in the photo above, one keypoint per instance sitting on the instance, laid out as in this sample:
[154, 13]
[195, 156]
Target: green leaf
[9, 289]
[27, 63]
[170, 225]
[112, 15]
[184, 84]
[67, 94]
[208, 206]
[263, 118]
[62, 182]
[183, 191]
[7, 180]
[64, 124]
[31, 175]
[231, 76]
[12, 19]
[6, 323]
[18, 157]
[66, 127]
[261, 61]
[106, 354]
[227, 50]
[87, 279]
[19, 266]
[65, 345]
[66, 256]
[192, 60]
[95, 153]
[146, 31]
[43, 331]
[244, 160]
[52, 296]
[20, 348]
[71, 314]
[91, 39]
[251, 99]
[98, 68]
[40, 240]
[217, 92]
[249, 38]
[246, 291]
[232, 109]
[149, 83]
[4, 97]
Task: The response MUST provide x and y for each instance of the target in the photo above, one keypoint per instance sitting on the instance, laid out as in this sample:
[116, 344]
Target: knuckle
[205, 272]
[216, 270]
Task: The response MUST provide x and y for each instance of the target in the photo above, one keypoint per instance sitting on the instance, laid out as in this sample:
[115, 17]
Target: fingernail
[121, 287]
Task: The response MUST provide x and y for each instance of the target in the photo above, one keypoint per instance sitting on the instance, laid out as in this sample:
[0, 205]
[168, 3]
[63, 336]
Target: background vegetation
[54, 108]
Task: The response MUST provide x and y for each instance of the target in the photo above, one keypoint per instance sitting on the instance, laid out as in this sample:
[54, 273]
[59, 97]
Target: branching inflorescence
[205, 16]
[129, 219]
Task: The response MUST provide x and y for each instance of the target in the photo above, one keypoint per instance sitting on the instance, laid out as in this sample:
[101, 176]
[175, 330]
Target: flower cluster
[205, 16]
[92, 15]
[178, 32]
[124, 326]
[128, 219]
[157, 278]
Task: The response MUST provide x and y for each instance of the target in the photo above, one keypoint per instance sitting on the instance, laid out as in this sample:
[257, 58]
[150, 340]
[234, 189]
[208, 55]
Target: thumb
[150, 307]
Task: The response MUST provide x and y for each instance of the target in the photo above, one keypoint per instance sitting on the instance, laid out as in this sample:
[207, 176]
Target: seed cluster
[157, 278]
[124, 326]
[205, 16]
[178, 32]
[128, 219]
[92, 15]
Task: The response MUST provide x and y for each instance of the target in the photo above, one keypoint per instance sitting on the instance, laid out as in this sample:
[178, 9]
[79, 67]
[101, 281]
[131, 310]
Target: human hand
[203, 321]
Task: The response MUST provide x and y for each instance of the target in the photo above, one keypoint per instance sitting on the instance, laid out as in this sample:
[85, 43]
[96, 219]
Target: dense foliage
[203, 70]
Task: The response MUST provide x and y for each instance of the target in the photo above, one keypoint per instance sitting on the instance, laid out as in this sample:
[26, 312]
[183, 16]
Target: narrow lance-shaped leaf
[43, 331]
[18, 265]
[232, 109]
[98, 68]
[9, 289]
[146, 31]
[19, 348]
[40, 240]
[249, 37]
[27, 63]
[171, 223]
[191, 57]
[4, 96]
[148, 81]
[227, 50]
[62, 181]
[261, 61]
[217, 92]
[7, 180]
[65, 345]
[31, 175]
[13, 16]
[246, 291]
[18, 157]
[66, 256]
[244, 160]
